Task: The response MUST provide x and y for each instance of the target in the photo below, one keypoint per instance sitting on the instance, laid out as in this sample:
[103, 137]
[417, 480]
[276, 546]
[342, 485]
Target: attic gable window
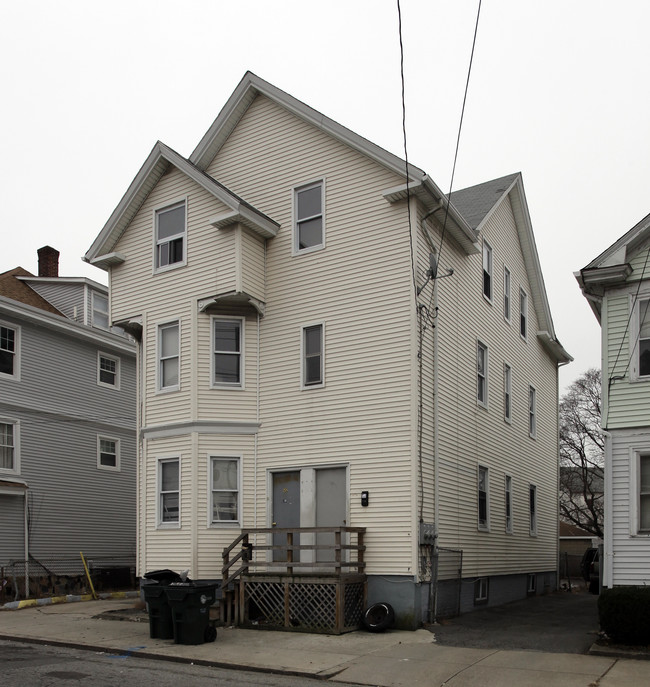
[309, 225]
[170, 236]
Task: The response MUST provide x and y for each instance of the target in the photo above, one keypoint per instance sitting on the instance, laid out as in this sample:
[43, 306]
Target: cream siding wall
[631, 561]
[470, 435]
[361, 279]
[627, 401]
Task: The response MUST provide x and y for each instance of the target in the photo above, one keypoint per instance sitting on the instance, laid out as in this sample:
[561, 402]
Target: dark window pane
[171, 222]
[226, 368]
[226, 336]
[6, 363]
[312, 370]
[313, 340]
[644, 357]
[310, 233]
[487, 285]
[170, 507]
[169, 476]
[309, 202]
[7, 339]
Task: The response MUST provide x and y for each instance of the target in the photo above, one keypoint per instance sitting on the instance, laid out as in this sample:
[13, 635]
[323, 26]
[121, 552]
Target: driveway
[561, 622]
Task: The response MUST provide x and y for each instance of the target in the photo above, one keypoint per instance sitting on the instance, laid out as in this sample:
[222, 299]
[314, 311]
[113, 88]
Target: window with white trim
[169, 356]
[169, 491]
[644, 493]
[487, 270]
[507, 392]
[100, 311]
[641, 359]
[9, 455]
[508, 498]
[507, 299]
[309, 225]
[170, 236]
[523, 314]
[227, 352]
[532, 508]
[532, 411]
[312, 356]
[108, 370]
[108, 453]
[483, 498]
[481, 373]
[9, 350]
[224, 490]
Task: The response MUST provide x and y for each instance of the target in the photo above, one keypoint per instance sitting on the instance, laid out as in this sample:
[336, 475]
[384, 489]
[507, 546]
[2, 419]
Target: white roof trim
[70, 327]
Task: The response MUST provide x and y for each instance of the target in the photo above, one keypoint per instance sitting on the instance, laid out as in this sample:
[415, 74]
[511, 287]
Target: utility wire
[460, 127]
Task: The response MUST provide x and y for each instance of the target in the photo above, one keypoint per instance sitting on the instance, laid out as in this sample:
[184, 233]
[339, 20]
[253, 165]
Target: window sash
[532, 411]
[644, 493]
[313, 355]
[309, 217]
[7, 446]
[227, 352]
[169, 493]
[481, 373]
[483, 509]
[507, 392]
[506, 293]
[169, 346]
[100, 311]
[644, 338]
[532, 503]
[108, 453]
[508, 500]
[170, 235]
[523, 314]
[108, 371]
[7, 350]
[487, 271]
[224, 475]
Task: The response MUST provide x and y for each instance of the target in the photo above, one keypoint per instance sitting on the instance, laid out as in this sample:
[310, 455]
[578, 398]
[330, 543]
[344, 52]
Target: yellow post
[90, 582]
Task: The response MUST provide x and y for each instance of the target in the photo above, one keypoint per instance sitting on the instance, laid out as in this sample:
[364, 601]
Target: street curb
[137, 653]
[618, 652]
[68, 598]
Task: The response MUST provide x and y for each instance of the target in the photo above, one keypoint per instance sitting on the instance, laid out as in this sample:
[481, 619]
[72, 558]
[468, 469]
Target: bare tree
[582, 454]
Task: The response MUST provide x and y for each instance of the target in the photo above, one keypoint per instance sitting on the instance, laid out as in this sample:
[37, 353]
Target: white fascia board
[61, 324]
[244, 215]
[65, 280]
[554, 347]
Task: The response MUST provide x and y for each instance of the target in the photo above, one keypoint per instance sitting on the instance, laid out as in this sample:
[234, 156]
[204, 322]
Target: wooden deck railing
[250, 561]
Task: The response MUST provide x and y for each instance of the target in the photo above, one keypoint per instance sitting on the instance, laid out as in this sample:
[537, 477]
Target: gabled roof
[478, 203]
[612, 267]
[419, 182]
[161, 157]
[12, 286]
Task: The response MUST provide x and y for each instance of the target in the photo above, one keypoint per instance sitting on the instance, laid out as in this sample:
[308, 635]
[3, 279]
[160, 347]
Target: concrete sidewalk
[391, 659]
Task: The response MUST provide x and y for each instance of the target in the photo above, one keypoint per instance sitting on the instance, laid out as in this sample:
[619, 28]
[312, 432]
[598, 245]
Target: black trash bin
[190, 604]
[161, 624]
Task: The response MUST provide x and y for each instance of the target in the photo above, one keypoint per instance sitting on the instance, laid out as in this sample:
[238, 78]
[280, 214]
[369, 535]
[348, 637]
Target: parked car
[590, 568]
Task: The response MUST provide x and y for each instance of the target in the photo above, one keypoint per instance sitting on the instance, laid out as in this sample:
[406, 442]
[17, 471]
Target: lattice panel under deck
[313, 606]
[269, 598]
[353, 608]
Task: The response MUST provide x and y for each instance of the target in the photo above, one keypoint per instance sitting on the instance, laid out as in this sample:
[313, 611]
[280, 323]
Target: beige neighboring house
[291, 342]
[617, 286]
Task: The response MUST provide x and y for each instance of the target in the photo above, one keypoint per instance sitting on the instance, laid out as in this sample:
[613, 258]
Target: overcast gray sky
[560, 91]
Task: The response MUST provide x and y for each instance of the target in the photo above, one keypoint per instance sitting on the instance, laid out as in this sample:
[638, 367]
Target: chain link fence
[40, 578]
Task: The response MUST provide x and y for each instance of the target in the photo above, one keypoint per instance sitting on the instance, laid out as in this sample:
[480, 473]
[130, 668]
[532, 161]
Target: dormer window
[170, 236]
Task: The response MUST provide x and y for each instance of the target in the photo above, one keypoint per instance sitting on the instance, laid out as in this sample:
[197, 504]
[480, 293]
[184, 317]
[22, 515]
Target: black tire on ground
[378, 617]
[210, 633]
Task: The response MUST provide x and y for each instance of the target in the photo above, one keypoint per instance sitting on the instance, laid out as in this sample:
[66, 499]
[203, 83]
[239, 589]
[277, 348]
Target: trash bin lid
[163, 576]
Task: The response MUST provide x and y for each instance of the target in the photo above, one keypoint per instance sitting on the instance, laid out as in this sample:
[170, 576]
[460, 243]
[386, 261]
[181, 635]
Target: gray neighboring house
[67, 419]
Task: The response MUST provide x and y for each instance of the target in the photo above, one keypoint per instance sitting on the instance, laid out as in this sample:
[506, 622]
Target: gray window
[170, 235]
[487, 270]
[506, 293]
[108, 370]
[227, 352]
[523, 313]
[310, 226]
[8, 458]
[169, 356]
[508, 504]
[507, 392]
[100, 311]
[483, 498]
[644, 493]
[8, 350]
[224, 474]
[169, 491]
[481, 373]
[532, 504]
[644, 338]
[532, 411]
[312, 347]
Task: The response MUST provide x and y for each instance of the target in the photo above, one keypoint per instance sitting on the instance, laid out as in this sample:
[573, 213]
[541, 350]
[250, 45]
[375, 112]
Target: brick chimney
[48, 262]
